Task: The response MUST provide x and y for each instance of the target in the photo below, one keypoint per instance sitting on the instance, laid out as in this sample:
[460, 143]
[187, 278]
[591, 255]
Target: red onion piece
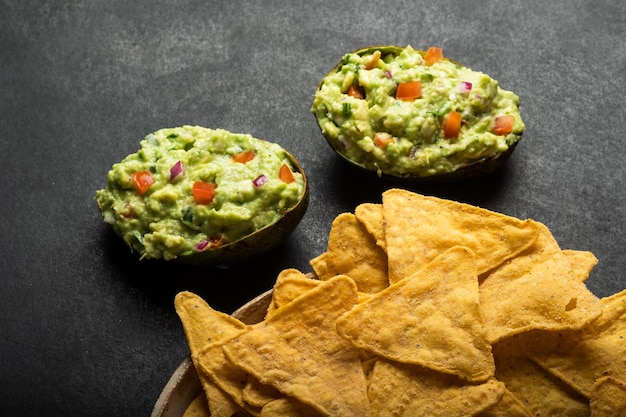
[202, 245]
[388, 74]
[260, 180]
[464, 87]
[176, 171]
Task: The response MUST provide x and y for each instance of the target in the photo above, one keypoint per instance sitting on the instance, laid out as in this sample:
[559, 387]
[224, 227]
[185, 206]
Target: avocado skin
[479, 168]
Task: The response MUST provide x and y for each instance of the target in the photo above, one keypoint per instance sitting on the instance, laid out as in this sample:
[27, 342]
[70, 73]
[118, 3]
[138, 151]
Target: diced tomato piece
[142, 181]
[285, 174]
[452, 124]
[503, 125]
[203, 192]
[373, 61]
[382, 139]
[433, 55]
[243, 157]
[354, 91]
[409, 91]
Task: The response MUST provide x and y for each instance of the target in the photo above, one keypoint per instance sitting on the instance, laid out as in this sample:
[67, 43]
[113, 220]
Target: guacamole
[189, 189]
[404, 112]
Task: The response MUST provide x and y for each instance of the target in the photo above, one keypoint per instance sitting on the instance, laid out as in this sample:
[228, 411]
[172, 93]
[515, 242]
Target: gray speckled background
[87, 330]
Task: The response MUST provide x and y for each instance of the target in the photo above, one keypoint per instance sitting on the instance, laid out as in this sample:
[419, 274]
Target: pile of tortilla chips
[422, 306]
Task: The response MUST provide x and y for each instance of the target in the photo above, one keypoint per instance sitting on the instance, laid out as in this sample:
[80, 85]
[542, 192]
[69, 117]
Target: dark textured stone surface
[86, 329]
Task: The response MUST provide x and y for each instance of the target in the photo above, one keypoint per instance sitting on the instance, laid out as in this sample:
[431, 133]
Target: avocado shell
[474, 169]
[259, 242]
[478, 168]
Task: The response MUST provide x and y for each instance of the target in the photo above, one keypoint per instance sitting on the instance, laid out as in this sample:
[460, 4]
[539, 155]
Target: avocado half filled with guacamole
[204, 196]
[415, 114]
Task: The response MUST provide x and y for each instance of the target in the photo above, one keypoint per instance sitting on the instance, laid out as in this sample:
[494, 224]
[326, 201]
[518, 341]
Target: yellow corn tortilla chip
[229, 378]
[550, 295]
[288, 407]
[538, 390]
[508, 406]
[202, 326]
[289, 285]
[580, 357]
[198, 407]
[581, 261]
[258, 395]
[542, 248]
[201, 323]
[220, 404]
[397, 389]
[608, 398]
[418, 228]
[353, 251]
[431, 319]
[371, 216]
[318, 264]
[298, 351]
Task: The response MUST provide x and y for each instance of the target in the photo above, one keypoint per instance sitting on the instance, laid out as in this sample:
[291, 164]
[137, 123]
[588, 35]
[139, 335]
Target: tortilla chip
[418, 228]
[258, 395]
[548, 294]
[353, 251]
[508, 406]
[581, 261]
[198, 407]
[538, 390]
[581, 357]
[298, 351]
[288, 407]
[543, 247]
[431, 319]
[400, 389]
[319, 267]
[608, 398]
[220, 404]
[371, 216]
[289, 285]
[203, 325]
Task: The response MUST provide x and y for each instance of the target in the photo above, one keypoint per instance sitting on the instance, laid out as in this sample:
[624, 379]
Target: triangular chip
[199, 407]
[418, 228]
[290, 284]
[542, 393]
[258, 395]
[608, 398]
[229, 378]
[508, 406]
[204, 326]
[542, 248]
[353, 251]
[547, 295]
[582, 261]
[371, 216]
[220, 404]
[298, 351]
[397, 389]
[201, 323]
[288, 407]
[431, 319]
[319, 267]
[581, 357]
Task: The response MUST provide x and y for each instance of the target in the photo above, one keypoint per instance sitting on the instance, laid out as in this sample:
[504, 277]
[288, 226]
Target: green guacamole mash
[189, 189]
[383, 133]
